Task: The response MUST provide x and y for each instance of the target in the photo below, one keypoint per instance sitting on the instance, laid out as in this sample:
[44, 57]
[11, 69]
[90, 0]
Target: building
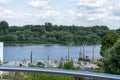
[1, 51]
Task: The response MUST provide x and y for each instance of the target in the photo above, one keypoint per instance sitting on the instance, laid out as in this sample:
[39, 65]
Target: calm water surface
[41, 52]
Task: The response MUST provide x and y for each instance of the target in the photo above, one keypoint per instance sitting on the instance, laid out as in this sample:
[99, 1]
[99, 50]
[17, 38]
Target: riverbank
[82, 65]
[24, 43]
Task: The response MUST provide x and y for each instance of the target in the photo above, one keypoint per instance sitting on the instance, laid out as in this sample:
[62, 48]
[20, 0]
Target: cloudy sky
[65, 12]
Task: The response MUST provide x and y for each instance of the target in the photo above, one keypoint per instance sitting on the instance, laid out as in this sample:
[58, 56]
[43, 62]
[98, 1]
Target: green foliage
[111, 60]
[15, 76]
[97, 70]
[10, 38]
[49, 77]
[40, 64]
[48, 26]
[21, 37]
[61, 65]
[39, 76]
[4, 27]
[20, 65]
[108, 41]
[52, 34]
[69, 65]
[118, 30]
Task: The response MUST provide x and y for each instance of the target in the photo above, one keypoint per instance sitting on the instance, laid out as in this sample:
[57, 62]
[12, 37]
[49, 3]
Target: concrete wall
[1, 51]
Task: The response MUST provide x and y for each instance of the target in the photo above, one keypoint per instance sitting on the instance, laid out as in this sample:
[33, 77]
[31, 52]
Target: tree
[10, 38]
[4, 26]
[108, 41]
[49, 33]
[111, 60]
[48, 26]
[21, 37]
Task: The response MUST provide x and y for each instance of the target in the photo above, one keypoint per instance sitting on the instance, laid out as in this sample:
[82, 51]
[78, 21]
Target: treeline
[53, 34]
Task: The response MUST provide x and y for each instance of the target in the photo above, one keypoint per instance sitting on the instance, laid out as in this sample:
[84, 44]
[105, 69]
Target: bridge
[74, 73]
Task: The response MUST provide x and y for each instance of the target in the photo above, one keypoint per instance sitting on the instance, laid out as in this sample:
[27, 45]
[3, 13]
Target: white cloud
[8, 14]
[105, 11]
[50, 13]
[78, 12]
[91, 9]
[43, 15]
[71, 12]
[39, 3]
[5, 13]
[5, 1]
[91, 3]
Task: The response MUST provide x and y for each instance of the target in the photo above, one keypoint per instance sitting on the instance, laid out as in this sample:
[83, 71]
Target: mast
[84, 51]
[80, 54]
[48, 59]
[31, 58]
[93, 52]
[68, 53]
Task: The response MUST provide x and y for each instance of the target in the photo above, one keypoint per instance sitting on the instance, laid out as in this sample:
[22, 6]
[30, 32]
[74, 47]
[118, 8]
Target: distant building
[1, 51]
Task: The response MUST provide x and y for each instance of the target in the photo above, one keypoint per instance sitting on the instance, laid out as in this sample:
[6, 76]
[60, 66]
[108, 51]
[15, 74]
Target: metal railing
[74, 73]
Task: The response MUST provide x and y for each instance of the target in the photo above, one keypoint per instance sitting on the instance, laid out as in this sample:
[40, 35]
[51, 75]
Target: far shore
[37, 43]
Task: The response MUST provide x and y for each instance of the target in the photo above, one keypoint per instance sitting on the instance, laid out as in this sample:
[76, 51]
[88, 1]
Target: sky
[61, 12]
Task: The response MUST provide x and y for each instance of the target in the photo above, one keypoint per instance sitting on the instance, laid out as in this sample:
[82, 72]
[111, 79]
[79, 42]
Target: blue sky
[65, 12]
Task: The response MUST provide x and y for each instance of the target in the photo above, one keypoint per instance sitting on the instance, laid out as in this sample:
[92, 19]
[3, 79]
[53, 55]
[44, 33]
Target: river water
[41, 52]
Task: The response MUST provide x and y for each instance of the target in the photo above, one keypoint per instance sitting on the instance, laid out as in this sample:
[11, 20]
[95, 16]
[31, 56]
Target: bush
[111, 61]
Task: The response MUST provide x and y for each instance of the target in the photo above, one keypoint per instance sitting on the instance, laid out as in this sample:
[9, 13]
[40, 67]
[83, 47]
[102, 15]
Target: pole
[48, 59]
[80, 54]
[83, 51]
[31, 58]
[93, 52]
[68, 53]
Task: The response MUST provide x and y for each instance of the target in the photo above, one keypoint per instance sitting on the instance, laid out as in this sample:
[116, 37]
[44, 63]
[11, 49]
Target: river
[41, 52]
